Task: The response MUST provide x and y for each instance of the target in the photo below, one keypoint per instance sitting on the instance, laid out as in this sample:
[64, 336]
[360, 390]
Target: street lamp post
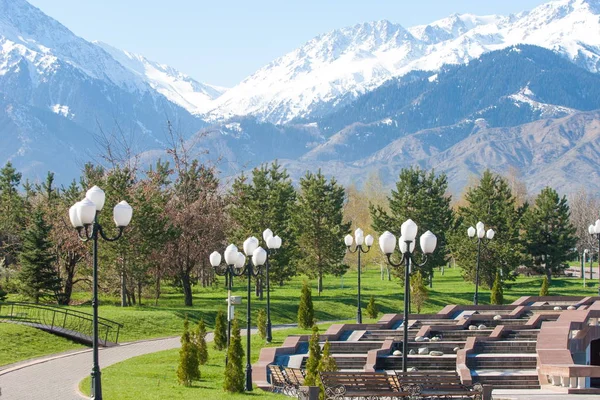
[84, 217]
[359, 239]
[594, 231]
[273, 243]
[234, 266]
[256, 258]
[479, 234]
[406, 243]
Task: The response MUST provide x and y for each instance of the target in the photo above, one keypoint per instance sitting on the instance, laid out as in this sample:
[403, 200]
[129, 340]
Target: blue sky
[221, 42]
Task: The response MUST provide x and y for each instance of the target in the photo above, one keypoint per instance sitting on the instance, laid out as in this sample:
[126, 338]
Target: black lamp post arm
[107, 238]
[393, 264]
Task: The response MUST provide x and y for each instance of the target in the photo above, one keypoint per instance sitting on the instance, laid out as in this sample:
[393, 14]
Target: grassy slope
[335, 303]
[22, 342]
[154, 376]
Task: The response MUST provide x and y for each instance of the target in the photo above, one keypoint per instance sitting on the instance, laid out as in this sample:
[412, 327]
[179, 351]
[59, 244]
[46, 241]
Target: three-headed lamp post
[84, 218]
[594, 231]
[360, 240]
[479, 234]
[406, 243]
[234, 266]
[273, 243]
[238, 264]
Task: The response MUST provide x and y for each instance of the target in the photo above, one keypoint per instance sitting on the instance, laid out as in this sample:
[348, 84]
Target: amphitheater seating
[497, 346]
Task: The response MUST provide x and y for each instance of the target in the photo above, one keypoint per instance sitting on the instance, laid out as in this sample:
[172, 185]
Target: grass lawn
[337, 302]
[22, 342]
[154, 376]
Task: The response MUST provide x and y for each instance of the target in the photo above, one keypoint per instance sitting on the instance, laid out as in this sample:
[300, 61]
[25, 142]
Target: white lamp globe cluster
[84, 212]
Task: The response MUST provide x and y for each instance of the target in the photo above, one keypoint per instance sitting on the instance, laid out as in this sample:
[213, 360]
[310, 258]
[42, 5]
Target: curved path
[57, 377]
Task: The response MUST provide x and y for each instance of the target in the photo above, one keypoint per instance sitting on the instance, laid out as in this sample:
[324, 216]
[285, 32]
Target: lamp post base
[269, 332]
[248, 378]
[96, 392]
[359, 317]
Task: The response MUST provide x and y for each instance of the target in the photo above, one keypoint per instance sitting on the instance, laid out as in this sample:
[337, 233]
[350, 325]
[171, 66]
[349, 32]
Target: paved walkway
[57, 377]
[539, 395]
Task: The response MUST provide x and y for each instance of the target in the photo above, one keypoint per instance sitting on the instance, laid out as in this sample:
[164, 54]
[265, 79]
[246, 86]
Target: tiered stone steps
[353, 347]
[345, 362]
[506, 347]
[446, 362]
[443, 346]
[460, 335]
[525, 334]
[383, 334]
[501, 361]
[513, 381]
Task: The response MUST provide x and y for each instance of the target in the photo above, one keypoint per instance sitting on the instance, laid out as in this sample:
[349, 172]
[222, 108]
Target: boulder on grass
[436, 339]
[436, 353]
[571, 308]
[423, 351]
[497, 317]
[412, 369]
[397, 353]
[412, 352]
[557, 308]
[481, 327]
[472, 327]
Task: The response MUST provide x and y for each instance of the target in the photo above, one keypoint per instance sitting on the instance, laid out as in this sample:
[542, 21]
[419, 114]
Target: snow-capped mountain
[57, 91]
[30, 36]
[181, 89]
[336, 67]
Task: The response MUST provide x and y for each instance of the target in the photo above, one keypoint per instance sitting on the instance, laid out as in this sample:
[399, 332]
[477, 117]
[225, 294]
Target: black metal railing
[74, 324]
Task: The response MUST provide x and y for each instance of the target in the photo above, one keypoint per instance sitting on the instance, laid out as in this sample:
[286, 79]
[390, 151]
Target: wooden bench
[440, 384]
[280, 382]
[372, 385]
[295, 376]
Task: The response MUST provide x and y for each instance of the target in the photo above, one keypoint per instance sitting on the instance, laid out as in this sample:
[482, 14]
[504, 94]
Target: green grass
[22, 342]
[337, 302]
[153, 376]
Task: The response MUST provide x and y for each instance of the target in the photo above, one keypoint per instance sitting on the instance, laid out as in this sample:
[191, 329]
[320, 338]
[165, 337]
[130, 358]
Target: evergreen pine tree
[491, 202]
[306, 314]
[200, 339]
[372, 310]
[267, 201]
[497, 296]
[261, 322]
[38, 275]
[188, 370]
[418, 291]
[234, 374]
[12, 215]
[549, 234]
[545, 287]
[421, 196]
[220, 338]
[314, 358]
[327, 364]
[318, 224]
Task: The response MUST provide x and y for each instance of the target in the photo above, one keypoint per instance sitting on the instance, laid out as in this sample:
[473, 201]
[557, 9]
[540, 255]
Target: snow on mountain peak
[26, 32]
[352, 60]
[176, 86]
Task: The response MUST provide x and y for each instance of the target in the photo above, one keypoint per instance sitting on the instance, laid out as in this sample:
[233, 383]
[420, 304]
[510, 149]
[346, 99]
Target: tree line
[182, 213]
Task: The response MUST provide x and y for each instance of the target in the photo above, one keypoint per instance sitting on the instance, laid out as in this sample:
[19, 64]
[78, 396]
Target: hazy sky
[221, 42]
